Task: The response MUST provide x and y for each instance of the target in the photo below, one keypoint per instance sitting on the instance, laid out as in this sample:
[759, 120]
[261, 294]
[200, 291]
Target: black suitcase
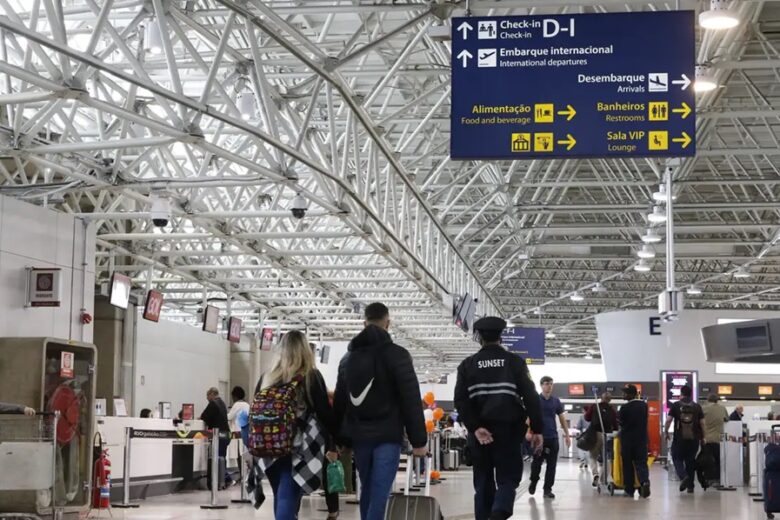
[403, 506]
[771, 492]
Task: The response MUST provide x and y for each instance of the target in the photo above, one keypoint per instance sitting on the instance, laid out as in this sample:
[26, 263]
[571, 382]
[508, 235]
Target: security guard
[494, 395]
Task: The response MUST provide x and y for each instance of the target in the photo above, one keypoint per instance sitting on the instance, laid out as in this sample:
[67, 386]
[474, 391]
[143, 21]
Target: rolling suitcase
[450, 459]
[403, 506]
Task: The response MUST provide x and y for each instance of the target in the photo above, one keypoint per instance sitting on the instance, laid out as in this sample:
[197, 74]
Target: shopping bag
[336, 478]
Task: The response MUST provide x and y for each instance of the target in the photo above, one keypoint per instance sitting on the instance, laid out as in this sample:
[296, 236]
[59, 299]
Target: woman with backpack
[291, 425]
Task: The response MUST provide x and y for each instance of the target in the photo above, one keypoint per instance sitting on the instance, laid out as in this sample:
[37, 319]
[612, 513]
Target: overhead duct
[756, 341]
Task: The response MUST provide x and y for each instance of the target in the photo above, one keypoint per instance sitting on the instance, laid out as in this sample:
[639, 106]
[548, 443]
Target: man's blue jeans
[287, 494]
[377, 465]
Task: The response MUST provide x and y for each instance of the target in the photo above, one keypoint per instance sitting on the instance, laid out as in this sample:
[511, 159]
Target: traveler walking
[688, 420]
[632, 418]
[715, 417]
[294, 389]
[551, 408]
[377, 399]
[604, 421]
[494, 395]
[583, 455]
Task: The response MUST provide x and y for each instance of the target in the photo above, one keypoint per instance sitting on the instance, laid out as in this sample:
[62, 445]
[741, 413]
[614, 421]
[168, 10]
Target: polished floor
[576, 500]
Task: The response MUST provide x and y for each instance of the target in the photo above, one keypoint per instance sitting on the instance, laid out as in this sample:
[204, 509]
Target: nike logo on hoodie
[357, 401]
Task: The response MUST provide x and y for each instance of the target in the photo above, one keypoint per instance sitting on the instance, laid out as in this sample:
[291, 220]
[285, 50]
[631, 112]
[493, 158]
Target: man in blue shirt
[551, 408]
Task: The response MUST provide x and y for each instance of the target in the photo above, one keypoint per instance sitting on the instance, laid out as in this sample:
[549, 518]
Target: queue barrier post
[214, 504]
[125, 503]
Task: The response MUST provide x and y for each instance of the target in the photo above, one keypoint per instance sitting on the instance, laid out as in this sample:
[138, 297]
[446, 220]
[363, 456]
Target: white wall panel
[31, 236]
[177, 362]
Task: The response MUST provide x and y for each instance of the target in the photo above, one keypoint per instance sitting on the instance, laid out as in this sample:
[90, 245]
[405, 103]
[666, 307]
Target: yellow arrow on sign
[685, 110]
[685, 140]
[569, 142]
[569, 112]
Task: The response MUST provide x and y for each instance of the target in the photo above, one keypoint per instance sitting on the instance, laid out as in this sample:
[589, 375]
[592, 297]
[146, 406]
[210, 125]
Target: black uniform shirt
[494, 386]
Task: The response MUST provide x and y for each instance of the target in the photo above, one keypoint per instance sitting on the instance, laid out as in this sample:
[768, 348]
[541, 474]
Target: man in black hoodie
[377, 399]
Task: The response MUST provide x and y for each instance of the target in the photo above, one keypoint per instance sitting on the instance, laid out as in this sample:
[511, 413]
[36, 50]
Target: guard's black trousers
[498, 469]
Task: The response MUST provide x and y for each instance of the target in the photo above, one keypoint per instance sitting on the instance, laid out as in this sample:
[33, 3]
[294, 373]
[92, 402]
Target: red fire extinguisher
[101, 493]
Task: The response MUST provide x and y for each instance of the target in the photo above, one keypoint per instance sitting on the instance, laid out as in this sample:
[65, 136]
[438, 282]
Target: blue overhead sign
[588, 85]
[528, 343]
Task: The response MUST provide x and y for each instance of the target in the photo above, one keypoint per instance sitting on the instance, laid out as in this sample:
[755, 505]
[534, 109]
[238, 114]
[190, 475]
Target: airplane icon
[486, 57]
[658, 82]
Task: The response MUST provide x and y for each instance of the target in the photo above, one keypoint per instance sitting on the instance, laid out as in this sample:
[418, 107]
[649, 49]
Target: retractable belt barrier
[179, 437]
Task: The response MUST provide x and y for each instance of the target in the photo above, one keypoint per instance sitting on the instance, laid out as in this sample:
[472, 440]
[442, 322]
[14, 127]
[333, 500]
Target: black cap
[490, 323]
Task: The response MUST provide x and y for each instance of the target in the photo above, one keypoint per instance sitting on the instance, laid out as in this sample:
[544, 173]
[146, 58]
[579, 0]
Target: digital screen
[120, 290]
[671, 387]
[725, 389]
[764, 390]
[464, 315]
[753, 338]
[267, 338]
[234, 330]
[153, 307]
[211, 319]
[576, 389]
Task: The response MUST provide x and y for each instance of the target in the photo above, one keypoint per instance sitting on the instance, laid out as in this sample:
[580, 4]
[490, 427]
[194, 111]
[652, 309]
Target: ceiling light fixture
[153, 37]
[705, 81]
[719, 17]
[576, 297]
[660, 195]
[693, 290]
[599, 288]
[646, 252]
[742, 272]
[657, 216]
[246, 105]
[642, 266]
[651, 237]
[550, 335]
[566, 346]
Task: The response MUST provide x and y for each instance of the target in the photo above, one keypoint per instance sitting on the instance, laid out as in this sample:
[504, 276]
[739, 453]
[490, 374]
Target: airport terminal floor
[575, 499]
[341, 230]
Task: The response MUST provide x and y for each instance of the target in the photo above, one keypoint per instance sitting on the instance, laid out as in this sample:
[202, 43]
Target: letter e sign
[655, 326]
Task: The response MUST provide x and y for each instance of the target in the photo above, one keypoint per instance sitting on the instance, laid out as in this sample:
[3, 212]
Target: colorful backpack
[272, 420]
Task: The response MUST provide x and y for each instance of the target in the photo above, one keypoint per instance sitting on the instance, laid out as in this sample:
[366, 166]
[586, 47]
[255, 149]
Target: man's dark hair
[376, 311]
[630, 391]
[237, 393]
[712, 398]
[686, 391]
[546, 379]
[146, 413]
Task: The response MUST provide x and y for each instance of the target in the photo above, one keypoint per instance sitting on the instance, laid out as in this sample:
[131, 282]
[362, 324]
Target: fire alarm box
[43, 287]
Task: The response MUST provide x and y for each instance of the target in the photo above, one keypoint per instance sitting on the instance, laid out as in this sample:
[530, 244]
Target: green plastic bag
[336, 478]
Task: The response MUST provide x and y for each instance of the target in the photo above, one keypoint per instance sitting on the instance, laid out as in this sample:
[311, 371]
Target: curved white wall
[630, 352]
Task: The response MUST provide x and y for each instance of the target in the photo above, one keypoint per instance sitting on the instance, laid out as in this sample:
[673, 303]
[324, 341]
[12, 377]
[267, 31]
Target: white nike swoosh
[357, 401]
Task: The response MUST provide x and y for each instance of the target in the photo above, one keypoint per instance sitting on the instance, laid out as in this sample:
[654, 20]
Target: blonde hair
[295, 358]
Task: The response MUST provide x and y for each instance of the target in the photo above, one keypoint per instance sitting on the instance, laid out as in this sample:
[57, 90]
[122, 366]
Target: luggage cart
[605, 476]
[30, 443]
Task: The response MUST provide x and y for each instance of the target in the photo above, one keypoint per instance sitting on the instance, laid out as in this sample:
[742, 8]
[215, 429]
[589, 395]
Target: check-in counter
[166, 458]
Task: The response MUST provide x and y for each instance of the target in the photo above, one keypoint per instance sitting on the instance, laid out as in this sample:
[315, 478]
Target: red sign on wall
[576, 389]
[234, 330]
[153, 307]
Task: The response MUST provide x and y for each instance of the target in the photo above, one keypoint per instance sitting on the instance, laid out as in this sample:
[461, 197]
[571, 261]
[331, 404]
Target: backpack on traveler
[273, 419]
[688, 421]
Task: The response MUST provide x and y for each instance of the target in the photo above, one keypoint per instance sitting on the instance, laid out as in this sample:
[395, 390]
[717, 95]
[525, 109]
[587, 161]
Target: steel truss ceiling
[239, 105]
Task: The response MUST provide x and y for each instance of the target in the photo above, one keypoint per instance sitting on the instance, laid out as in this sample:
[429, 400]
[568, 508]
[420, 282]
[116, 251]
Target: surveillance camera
[160, 212]
[298, 206]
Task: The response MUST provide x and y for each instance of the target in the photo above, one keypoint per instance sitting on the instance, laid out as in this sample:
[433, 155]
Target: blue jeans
[377, 465]
[287, 494]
